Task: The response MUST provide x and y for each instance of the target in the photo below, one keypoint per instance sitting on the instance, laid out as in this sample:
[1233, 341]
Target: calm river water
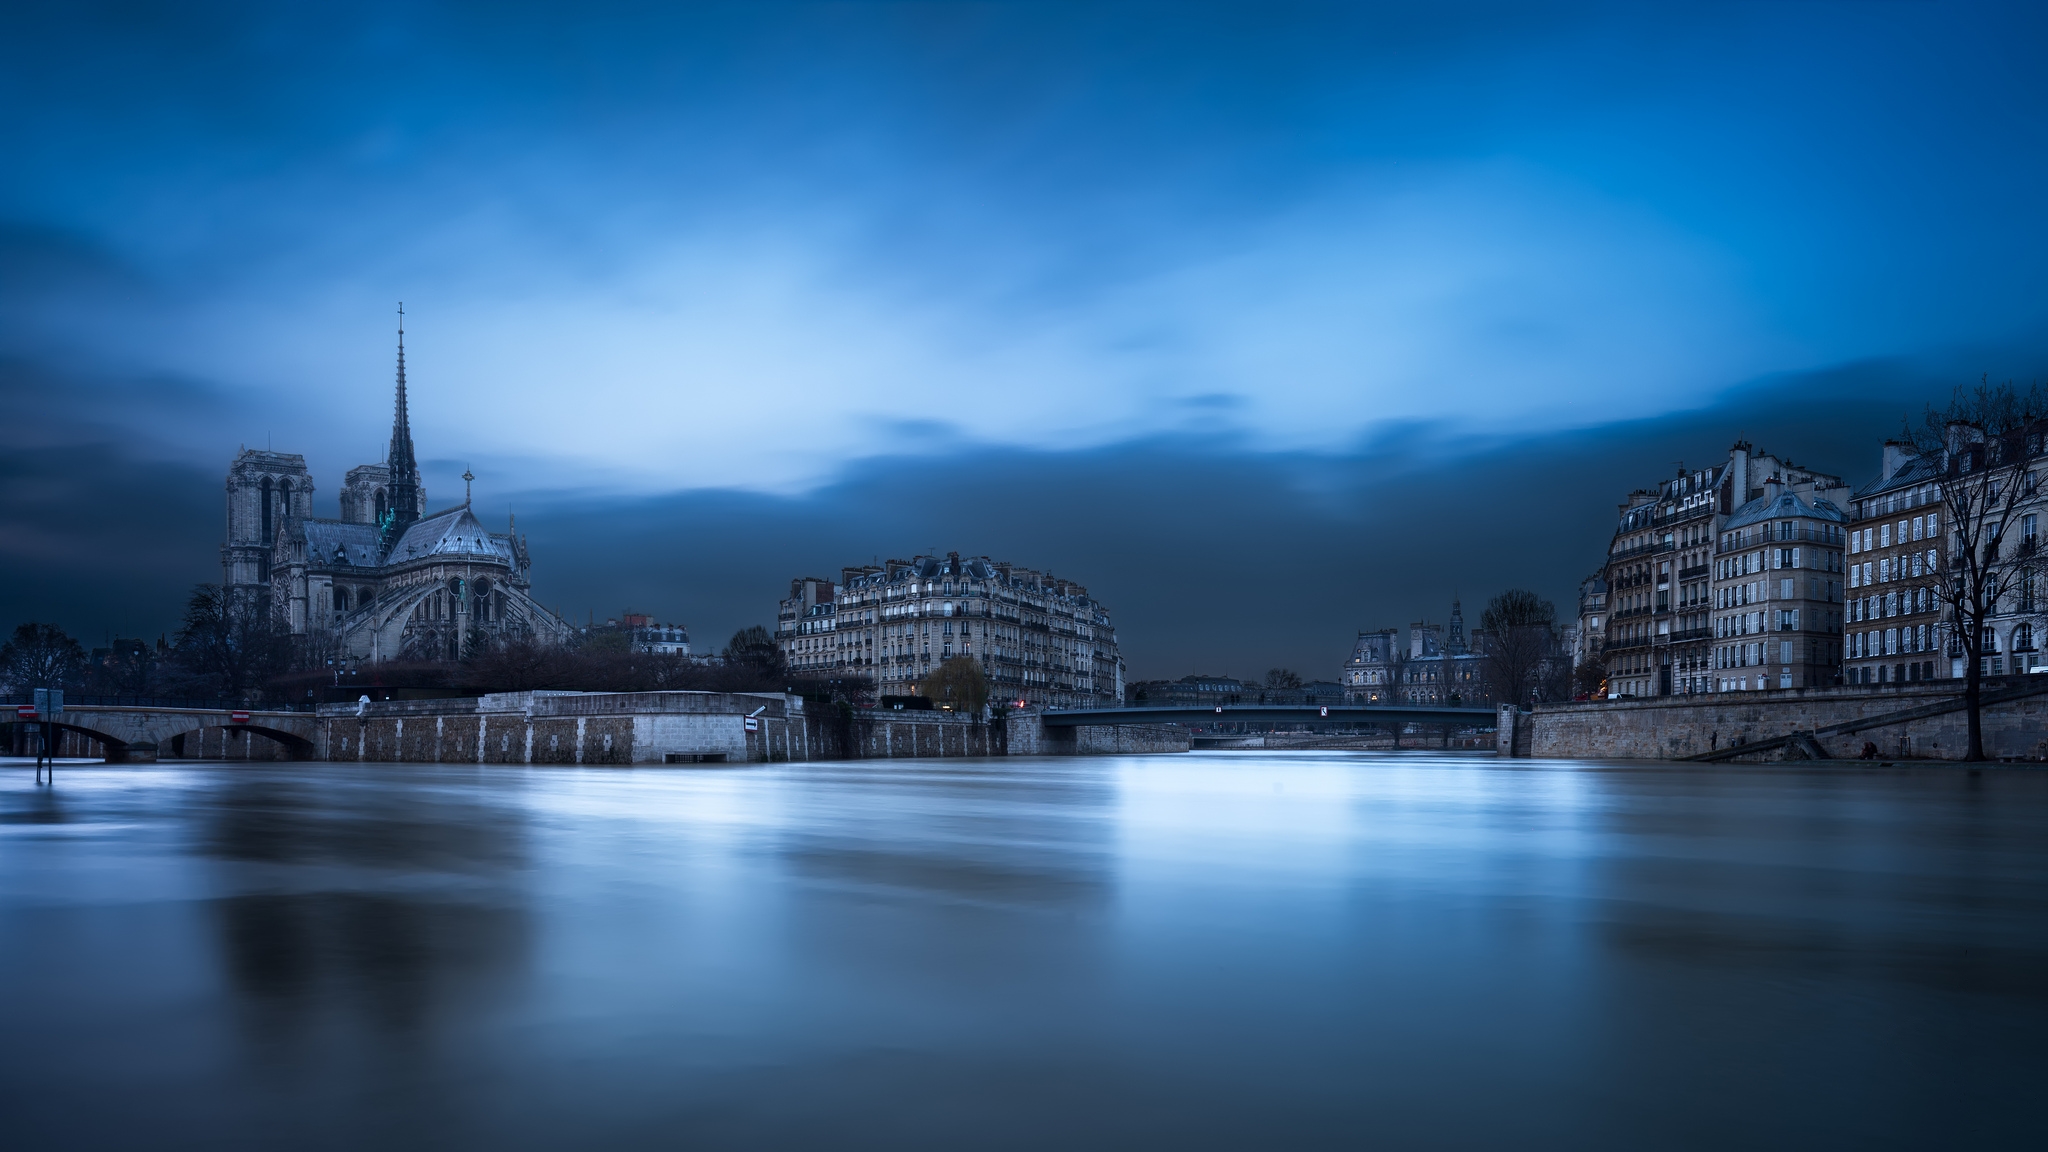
[1215, 950]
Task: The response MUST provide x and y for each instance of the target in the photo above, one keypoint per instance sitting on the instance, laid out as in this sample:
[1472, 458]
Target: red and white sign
[25, 710]
[753, 725]
[239, 717]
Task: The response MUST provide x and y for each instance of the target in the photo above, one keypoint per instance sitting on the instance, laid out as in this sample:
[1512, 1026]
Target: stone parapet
[1681, 727]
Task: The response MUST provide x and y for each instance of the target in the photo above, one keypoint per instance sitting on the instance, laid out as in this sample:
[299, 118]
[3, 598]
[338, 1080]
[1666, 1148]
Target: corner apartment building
[1894, 625]
[1038, 638]
[1778, 588]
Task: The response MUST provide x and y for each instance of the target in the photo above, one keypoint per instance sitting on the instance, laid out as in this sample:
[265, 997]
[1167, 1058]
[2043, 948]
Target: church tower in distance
[403, 507]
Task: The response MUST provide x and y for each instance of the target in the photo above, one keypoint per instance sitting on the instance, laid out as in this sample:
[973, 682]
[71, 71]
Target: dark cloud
[1210, 556]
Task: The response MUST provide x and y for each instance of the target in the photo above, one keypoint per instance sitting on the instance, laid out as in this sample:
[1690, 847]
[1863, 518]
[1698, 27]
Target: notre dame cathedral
[387, 581]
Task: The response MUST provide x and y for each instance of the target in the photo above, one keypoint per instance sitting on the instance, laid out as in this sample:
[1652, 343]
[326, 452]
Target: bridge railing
[82, 700]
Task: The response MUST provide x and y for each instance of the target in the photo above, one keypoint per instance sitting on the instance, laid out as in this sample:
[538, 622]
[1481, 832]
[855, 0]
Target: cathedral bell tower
[404, 502]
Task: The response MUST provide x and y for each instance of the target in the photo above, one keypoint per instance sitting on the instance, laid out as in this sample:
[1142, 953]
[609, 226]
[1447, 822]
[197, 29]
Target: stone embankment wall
[569, 728]
[693, 727]
[1030, 735]
[1674, 728]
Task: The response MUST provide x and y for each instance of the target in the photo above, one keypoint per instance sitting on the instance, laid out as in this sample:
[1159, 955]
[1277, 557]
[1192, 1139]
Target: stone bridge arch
[196, 742]
[122, 733]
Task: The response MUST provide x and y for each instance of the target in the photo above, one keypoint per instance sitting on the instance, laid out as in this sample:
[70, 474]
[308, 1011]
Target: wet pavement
[1213, 950]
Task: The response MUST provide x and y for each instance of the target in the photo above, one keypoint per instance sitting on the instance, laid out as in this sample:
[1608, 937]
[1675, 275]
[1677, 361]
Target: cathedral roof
[454, 533]
[340, 542]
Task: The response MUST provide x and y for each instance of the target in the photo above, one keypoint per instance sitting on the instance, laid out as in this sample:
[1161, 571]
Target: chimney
[1738, 474]
[1896, 454]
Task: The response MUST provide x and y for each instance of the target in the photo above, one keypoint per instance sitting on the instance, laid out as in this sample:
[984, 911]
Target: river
[1213, 950]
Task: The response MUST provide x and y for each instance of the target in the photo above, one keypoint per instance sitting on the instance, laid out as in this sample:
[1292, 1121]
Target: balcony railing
[1746, 542]
[1644, 550]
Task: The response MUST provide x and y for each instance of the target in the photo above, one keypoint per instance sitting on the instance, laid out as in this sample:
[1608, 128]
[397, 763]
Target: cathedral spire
[405, 473]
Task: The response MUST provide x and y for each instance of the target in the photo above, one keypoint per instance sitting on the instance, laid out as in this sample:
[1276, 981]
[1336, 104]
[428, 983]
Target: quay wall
[1674, 728]
[694, 727]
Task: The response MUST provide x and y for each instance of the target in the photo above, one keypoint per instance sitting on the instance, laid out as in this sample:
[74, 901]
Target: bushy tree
[40, 656]
[752, 647]
[958, 683]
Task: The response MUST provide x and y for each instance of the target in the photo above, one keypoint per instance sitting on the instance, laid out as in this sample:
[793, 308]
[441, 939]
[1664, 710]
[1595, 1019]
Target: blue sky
[770, 251]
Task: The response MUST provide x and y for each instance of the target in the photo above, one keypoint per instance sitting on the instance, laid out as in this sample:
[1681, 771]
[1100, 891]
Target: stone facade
[1894, 632]
[1429, 666]
[1038, 638]
[1657, 636]
[1777, 592]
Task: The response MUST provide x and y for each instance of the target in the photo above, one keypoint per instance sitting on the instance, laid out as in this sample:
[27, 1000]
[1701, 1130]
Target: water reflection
[390, 903]
[1203, 951]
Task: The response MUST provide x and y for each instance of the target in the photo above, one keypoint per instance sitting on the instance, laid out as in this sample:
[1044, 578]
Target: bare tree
[1282, 678]
[1520, 648]
[230, 642]
[1981, 445]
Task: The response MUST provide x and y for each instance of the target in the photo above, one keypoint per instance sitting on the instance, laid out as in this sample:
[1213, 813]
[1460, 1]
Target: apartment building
[1777, 588]
[1038, 638]
[1669, 599]
[1893, 627]
[1653, 636]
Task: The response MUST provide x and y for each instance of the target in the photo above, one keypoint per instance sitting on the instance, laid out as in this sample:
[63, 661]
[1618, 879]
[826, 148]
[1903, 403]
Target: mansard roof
[453, 534]
[1917, 469]
[1782, 506]
[341, 542]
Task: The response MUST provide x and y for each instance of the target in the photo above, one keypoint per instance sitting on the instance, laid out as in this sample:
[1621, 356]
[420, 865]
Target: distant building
[1589, 637]
[1038, 638]
[1196, 691]
[1428, 667]
[645, 634]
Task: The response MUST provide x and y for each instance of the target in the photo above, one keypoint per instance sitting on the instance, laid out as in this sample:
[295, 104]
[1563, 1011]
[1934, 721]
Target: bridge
[1265, 714]
[138, 732]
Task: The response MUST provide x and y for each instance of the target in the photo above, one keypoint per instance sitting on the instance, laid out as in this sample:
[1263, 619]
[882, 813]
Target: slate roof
[454, 533]
[340, 542]
[1785, 505]
[1916, 470]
